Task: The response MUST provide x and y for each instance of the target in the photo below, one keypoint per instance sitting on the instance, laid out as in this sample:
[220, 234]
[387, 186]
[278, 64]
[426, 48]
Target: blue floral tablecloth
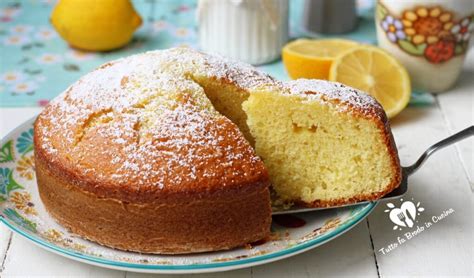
[36, 64]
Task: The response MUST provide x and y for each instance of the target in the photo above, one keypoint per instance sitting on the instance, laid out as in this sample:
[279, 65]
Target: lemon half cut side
[376, 72]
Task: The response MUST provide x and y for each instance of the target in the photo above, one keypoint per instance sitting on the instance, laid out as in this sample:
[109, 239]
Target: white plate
[22, 211]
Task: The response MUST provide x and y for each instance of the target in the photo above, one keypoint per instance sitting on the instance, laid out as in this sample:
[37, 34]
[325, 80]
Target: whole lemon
[95, 25]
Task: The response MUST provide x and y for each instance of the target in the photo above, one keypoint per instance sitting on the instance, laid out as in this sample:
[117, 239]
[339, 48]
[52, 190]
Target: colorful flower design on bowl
[394, 28]
[429, 32]
[463, 30]
[440, 51]
[427, 25]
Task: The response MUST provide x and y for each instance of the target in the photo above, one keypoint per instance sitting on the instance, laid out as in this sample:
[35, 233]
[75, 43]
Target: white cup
[429, 37]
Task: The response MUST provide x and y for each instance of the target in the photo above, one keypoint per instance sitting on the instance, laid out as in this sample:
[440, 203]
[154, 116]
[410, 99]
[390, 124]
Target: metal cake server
[406, 172]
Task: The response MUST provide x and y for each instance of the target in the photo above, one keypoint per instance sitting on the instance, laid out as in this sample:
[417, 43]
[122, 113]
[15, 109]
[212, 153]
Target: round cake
[145, 154]
[155, 152]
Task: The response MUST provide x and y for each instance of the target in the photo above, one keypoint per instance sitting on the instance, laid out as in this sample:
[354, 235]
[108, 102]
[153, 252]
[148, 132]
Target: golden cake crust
[179, 223]
[136, 144]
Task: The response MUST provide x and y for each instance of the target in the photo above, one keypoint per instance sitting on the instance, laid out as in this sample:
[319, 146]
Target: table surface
[444, 182]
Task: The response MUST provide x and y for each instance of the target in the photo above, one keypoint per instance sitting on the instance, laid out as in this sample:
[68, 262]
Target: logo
[405, 215]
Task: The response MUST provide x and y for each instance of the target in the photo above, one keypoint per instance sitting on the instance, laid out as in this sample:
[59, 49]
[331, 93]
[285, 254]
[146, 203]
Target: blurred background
[37, 63]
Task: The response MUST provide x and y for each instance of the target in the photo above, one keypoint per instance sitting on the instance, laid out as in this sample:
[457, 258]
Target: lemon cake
[136, 156]
[323, 143]
[161, 152]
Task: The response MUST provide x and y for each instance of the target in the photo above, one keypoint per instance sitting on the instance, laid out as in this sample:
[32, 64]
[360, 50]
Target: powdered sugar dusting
[244, 75]
[143, 121]
[196, 64]
[346, 98]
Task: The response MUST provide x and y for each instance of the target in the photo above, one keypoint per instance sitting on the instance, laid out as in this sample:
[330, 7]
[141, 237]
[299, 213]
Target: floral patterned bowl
[22, 211]
[430, 38]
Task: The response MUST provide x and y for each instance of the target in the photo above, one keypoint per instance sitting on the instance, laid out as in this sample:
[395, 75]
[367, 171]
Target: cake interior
[228, 99]
[313, 152]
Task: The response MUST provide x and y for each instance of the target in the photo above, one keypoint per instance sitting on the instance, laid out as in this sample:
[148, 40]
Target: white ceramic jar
[253, 31]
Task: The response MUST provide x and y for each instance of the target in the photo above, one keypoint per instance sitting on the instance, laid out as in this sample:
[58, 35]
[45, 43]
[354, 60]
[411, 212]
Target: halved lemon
[305, 58]
[376, 72]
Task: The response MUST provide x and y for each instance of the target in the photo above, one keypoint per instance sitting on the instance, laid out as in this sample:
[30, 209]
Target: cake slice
[323, 143]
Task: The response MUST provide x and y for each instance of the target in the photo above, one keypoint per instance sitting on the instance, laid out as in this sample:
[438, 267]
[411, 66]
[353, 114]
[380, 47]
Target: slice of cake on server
[323, 143]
